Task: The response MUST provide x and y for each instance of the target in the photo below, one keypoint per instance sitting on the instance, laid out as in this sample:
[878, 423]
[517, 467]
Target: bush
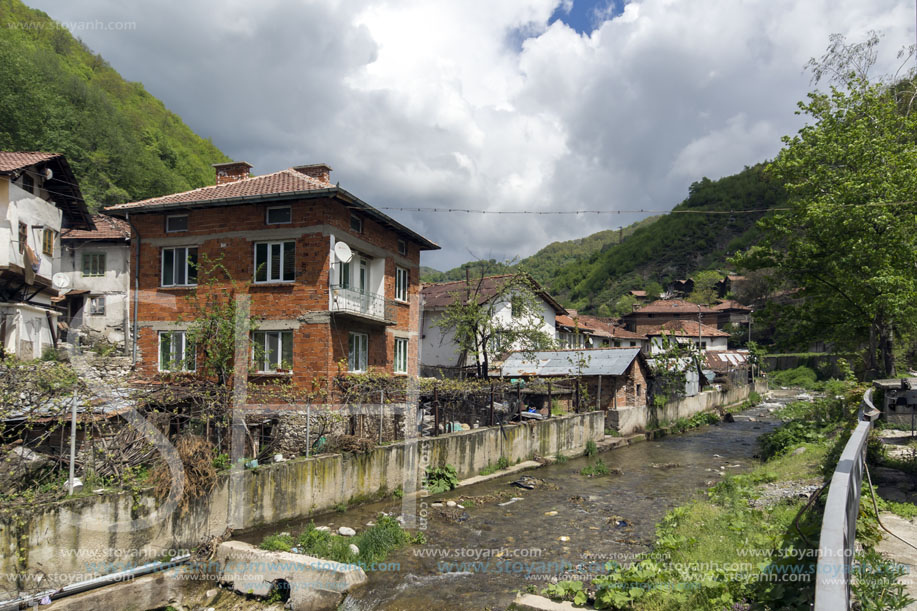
[278, 543]
[801, 377]
[501, 464]
[591, 449]
[596, 469]
[441, 479]
[790, 435]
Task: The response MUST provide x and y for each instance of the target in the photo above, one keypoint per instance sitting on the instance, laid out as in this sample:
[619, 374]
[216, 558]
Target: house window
[177, 222]
[97, 306]
[402, 247]
[401, 284]
[175, 352]
[93, 264]
[638, 391]
[516, 306]
[274, 261]
[356, 223]
[401, 355]
[272, 350]
[358, 352]
[28, 183]
[47, 241]
[179, 266]
[23, 236]
[280, 215]
[344, 280]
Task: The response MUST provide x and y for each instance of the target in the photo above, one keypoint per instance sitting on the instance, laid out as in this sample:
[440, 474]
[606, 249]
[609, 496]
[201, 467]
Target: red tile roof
[637, 293]
[672, 306]
[443, 294]
[284, 181]
[731, 304]
[607, 328]
[574, 323]
[107, 228]
[683, 328]
[10, 161]
[285, 184]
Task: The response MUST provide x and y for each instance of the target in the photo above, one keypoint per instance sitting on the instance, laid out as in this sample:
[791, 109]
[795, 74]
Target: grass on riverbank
[748, 543]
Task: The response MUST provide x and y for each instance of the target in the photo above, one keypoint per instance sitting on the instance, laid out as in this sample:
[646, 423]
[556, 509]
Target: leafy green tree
[625, 305]
[705, 287]
[480, 333]
[849, 237]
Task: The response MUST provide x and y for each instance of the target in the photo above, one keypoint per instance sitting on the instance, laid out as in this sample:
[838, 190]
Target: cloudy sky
[535, 105]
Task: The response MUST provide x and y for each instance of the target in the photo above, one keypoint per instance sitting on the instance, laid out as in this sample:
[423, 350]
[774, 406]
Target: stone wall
[630, 420]
[99, 533]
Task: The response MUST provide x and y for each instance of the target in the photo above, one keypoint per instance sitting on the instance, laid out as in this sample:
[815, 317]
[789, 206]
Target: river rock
[728, 417]
[324, 529]
[354, 549]
[436, 504]
[346, 531]
[798, 451]
[550, 513]
[451, 503]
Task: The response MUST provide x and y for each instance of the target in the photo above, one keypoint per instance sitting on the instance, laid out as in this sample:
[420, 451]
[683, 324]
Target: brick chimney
[319, 171]
[232, 171]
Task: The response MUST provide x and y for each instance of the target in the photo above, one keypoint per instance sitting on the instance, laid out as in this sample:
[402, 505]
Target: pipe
[91, 584]
[136, 295]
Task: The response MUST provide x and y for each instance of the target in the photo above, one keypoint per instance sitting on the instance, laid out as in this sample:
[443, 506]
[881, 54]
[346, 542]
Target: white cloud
[419, 103]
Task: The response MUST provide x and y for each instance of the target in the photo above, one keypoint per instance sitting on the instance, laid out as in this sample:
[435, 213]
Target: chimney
[232, 171]
[319, 171]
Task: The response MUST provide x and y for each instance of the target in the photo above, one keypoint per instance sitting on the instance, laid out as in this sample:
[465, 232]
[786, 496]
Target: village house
[582, 331]
[440, 351]
[97, 264]
[661, 311]
[732, 312]
[611, 378]
[330, 279]
[685, 332]
[39, 197]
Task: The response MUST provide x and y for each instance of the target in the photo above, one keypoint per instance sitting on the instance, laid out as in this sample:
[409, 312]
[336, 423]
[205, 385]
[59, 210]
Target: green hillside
[598, 269]
[57, 95]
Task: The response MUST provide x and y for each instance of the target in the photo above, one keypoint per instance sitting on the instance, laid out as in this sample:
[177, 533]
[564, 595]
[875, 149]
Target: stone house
[277, 239]
[97, 263]
[39, 197]
[441, 352]
[731, 311]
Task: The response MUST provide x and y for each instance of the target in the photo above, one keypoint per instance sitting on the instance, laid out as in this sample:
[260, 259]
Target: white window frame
[267, 215]
[357, 352]
[284, 339]
[188, 266]
[269, 279]
[179, 343]
[401, 355]
[94, 302]
[176, 216]
[402, 283]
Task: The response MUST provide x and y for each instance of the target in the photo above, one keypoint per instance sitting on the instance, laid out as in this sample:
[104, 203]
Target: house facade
[665, 310]
[97, 263]
[595, 333]
[685, 332]
[332, 282]
[439, 350]
[39, 197]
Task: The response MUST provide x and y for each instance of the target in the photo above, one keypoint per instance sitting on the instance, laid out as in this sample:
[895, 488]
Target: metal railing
[838, 529]
[369, 305]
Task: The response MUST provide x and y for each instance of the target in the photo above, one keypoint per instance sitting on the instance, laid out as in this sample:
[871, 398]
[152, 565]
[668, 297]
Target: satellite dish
[61, 282]
[343, 252]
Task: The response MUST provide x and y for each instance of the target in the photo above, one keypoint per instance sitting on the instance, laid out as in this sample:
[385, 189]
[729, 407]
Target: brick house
[662, 311]
[276, 235]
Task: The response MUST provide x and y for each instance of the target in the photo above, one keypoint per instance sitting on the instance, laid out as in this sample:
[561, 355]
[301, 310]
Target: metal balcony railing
[367, 305]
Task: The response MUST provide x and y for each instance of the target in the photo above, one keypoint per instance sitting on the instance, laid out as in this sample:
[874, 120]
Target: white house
[97, 263]
[690, 332]
[38, 197]
[438, 348]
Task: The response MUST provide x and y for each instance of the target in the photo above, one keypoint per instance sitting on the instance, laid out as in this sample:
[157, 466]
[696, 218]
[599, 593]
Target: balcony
[366, 306]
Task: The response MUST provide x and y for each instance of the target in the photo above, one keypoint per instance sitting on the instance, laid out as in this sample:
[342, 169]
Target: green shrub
[800, 377]
[789, 435]
[441, 479]
[567, 590]
[591, 449]
[560, 458]
[501, 464]
[596, 469]
[875, 584]
[278, 543]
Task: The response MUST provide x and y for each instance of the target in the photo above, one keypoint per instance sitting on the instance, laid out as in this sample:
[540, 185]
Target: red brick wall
[317, 347]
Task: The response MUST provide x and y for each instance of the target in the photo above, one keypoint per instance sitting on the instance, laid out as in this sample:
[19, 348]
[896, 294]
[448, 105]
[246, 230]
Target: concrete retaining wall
[109, 532]
[629, 420]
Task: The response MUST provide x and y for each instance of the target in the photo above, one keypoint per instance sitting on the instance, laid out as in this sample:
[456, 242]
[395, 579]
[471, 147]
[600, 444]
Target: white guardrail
[838, 528]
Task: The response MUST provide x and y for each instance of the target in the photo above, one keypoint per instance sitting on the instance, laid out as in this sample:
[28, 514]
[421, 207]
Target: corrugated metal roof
[602, 361]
